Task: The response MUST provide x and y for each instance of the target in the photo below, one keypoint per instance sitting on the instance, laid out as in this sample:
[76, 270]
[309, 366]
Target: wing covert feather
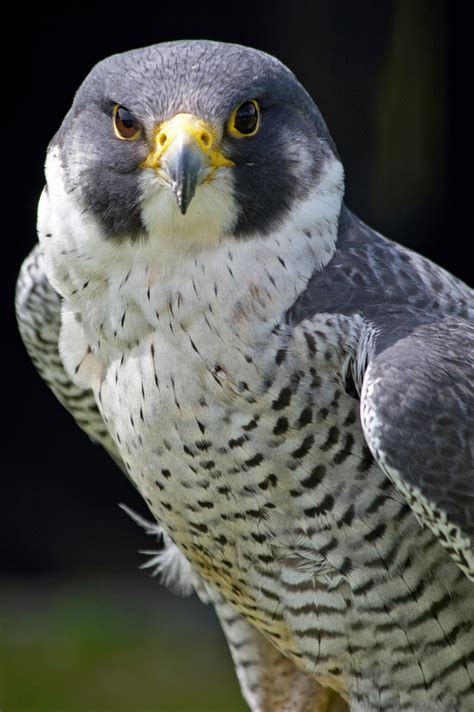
[417, 409]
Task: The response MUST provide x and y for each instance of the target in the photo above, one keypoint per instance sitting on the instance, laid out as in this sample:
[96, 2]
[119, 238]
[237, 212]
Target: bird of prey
[289, 391]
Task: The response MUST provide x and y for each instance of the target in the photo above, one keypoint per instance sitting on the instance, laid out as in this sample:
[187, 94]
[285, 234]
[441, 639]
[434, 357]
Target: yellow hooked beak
[185, 154]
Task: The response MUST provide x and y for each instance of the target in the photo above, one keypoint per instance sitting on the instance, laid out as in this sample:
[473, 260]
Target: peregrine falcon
[289, 391]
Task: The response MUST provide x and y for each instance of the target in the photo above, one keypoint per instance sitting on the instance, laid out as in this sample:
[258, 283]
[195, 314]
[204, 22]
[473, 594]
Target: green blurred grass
[98, 650]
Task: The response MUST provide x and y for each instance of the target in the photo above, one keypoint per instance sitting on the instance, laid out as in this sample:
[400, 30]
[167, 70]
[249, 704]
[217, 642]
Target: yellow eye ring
[126, 126]
[245, 120]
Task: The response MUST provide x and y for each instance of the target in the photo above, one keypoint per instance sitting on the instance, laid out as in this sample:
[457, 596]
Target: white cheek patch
[316, 217]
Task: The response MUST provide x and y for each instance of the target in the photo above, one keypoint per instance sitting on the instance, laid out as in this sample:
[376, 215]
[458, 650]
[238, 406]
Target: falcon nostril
[205, 139]
[162, 138]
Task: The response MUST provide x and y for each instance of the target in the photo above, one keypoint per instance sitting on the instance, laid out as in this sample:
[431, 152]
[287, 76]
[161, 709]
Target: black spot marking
[310, 342]
[346, 566]
[326, 549]
[269, 480]
[248, 490]
[315, 477]
[326, 505]
[305, 418]
[203, 444]
[237, 442]
[281, 426]
[295, 493]
[332, 438]
[272, 280]
[364, 588]
[345, 451]
[366, 461]
[348, 516]
[376, 533]
[378, 502]
[351, 417]
[255, 513]
[199, 527]
[280, 356]
[251, 424]
[283, 399]
[206, 504]
[194, 347]
[304, 448]
[269, 594]
[254, 461]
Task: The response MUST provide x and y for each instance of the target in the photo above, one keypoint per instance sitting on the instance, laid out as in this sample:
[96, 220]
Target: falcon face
[200, 137]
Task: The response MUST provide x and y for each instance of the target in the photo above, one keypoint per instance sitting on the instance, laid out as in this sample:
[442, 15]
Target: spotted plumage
[288, 390]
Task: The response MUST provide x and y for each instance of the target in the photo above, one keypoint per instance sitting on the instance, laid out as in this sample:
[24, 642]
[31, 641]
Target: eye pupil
[246, 118]
[126, 119]
[126, 126]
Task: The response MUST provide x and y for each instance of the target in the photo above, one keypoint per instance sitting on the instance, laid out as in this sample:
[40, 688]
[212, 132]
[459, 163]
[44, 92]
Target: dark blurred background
[391, 80]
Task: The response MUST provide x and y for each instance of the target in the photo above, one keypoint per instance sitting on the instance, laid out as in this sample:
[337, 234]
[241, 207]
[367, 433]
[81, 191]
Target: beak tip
[184, 195]
[182, 201]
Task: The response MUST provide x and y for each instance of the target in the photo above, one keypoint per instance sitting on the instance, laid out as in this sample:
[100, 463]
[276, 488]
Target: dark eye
[125, 124]
[245, 119]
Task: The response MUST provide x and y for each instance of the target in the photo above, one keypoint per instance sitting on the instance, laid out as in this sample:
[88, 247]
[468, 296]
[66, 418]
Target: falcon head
[193, 138]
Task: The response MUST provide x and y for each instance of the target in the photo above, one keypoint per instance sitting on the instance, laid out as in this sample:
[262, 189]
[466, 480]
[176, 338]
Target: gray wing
[414, 368]
[38, 311]
[370, 275]
[417, 411]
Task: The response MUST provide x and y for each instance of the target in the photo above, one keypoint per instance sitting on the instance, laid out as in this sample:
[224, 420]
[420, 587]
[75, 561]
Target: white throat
[117, 292]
